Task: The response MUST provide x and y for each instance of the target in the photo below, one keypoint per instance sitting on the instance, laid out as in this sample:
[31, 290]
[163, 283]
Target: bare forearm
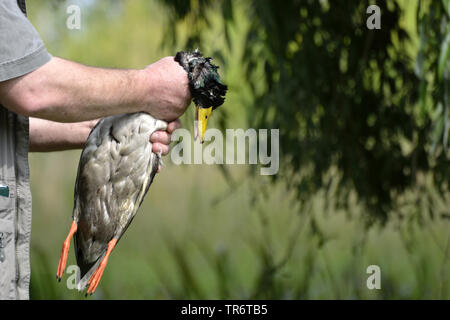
[48, 136]
[66, 91]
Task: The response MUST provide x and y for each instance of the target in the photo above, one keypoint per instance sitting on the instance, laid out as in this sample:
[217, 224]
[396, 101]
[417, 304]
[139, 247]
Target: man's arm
[66, 91]
[48, 135]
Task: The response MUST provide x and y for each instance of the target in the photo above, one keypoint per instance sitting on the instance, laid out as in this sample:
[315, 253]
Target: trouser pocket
[7, 200]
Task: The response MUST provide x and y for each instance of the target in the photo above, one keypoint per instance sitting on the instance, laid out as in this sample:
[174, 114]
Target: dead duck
[117, 167]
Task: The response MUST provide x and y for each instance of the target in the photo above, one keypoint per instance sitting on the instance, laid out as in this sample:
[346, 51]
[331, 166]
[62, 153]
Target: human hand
[168, 94]
[161, 139]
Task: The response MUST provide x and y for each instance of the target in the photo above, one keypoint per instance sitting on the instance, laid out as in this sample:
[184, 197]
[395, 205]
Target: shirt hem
[16, 68]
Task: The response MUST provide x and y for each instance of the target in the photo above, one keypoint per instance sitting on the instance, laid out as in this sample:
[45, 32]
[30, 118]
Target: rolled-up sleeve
[21, 48]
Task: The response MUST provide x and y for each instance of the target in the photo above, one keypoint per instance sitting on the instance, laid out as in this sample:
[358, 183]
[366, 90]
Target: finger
[159, 169]
[176, 124]
[160, 137]
[159, 147]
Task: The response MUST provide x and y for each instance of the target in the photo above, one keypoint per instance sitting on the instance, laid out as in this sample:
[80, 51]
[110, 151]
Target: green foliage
[433, 70]
[197, 237]
[247, 245]
[341, 94]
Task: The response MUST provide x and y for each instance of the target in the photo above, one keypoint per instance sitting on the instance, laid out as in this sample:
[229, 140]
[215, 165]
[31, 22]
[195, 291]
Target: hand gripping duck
[117, 167]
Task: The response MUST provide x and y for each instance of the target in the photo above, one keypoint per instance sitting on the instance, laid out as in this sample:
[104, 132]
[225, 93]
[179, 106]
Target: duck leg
[97, 275]
[65, 251]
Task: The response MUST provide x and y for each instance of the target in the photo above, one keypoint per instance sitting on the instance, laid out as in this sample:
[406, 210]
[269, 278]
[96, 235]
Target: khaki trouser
[15, 206]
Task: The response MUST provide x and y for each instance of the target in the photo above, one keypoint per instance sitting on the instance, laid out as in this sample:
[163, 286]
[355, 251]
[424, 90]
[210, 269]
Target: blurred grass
[181, 245]
[192, 237]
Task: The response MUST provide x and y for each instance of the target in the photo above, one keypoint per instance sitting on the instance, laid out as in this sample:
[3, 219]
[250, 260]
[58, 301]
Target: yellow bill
[202, 116]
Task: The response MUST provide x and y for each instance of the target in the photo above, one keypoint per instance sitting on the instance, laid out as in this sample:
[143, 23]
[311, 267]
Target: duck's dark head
[207, 90]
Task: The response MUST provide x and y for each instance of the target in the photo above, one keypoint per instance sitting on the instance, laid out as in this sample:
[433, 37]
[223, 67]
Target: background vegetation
[364, 121]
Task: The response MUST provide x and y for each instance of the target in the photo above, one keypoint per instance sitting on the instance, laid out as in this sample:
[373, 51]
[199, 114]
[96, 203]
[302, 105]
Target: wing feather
[116, 168]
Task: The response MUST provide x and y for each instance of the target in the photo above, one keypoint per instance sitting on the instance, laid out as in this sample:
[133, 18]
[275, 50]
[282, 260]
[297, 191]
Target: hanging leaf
[438, 128]
[446, 4]
[444, 57]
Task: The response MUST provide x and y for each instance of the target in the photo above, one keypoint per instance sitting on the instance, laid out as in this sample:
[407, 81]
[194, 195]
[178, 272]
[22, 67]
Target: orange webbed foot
[97, 275]
[65, 251]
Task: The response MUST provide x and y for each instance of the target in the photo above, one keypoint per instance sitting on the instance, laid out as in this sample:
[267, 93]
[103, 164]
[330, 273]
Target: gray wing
[116, 169]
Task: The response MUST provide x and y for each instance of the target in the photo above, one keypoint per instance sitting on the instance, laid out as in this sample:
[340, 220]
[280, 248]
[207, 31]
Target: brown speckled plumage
[116, 168]
[115, 171]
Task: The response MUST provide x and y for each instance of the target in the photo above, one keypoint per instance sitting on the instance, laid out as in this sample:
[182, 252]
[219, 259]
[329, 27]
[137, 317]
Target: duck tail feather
[86, 273]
